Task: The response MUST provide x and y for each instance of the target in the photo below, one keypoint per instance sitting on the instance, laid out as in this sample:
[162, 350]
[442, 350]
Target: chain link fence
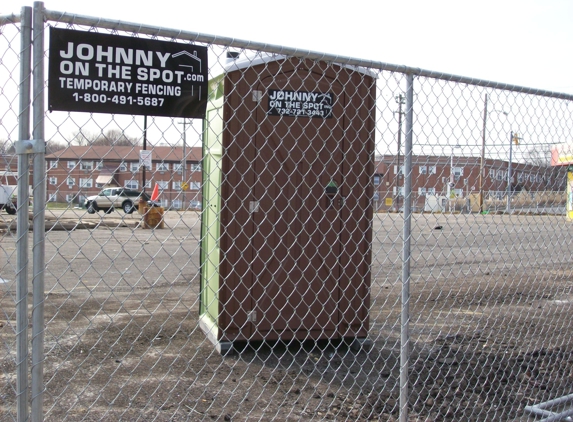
[338, 240]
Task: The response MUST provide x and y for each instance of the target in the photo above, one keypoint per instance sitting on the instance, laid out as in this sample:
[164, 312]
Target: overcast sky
[521, 42]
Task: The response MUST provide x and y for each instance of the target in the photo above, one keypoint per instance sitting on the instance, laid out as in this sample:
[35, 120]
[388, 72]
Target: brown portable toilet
[287, 214]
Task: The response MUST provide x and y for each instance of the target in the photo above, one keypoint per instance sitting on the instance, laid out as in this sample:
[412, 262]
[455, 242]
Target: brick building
[431, 175]
[77, 172]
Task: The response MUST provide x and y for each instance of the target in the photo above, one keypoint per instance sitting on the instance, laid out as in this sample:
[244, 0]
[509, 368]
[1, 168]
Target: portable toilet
[288, 162]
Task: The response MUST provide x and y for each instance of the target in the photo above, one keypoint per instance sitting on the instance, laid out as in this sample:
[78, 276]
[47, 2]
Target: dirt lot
[490, 312]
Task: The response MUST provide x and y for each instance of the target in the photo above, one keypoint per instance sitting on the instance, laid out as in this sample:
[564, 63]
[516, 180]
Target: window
[71, 181]
[422, 191]
[86, 165]
[71, 164]
[148, 184]
[431, 191]
[162, 166]
[398, 172]
[163, 184]
[131, 184]
[53, 164]
[377, 179]
[499, 175]
[458, 172]
[100, 165]
[399, 190]
[195, 185]
[70, 197]
[433, 170]
[195, 166]
[178, 168]
[176, 203]
[123, 166]
[177, 186]
[520, 177]
[423, 170]
[53, 197]
[491, 173]
[86, 183]
[53, 180]
[134, 167]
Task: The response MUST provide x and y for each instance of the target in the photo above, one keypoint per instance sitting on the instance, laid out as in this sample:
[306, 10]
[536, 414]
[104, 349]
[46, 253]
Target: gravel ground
[488, 335]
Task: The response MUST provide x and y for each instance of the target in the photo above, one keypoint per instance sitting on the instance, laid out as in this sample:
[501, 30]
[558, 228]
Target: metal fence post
[39, 192]
[405, 319]
[23, 225]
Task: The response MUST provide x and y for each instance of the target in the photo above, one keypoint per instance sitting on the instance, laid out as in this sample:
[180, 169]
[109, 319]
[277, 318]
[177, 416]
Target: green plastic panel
[210, 220]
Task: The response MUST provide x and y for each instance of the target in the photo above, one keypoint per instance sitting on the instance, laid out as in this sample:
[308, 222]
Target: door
[296, 207]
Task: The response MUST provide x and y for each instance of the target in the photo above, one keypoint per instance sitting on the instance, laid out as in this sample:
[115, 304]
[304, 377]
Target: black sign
[101, 73]
[300, 103]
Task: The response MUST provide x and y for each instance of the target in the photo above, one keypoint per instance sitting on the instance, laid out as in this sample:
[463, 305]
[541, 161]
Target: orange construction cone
[155, 193]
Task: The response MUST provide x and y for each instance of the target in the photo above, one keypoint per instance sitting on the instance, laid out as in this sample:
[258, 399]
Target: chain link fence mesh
[287, 244]
[9, 71]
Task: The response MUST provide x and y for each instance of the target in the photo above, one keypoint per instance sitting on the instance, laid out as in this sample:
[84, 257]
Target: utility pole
[482, 159]
[400, 100]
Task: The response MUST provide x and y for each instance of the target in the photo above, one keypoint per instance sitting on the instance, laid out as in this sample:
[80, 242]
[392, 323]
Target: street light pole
[452, 183]
[482, 160]
[513, 137]
[184, 162]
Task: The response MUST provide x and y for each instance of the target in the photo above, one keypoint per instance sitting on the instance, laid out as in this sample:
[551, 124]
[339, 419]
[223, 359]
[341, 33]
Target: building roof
[126, 153]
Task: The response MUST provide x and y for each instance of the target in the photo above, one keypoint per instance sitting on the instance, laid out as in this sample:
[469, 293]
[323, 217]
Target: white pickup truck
[8, 198]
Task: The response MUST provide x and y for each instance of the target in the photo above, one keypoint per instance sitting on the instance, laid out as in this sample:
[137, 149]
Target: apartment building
[77, 172]
[459, 177]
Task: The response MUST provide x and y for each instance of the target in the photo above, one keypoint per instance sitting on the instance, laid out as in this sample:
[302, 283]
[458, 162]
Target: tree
[53, 146]
[539, 156]
[111, 137]
[116, 137]
[7, 147]
[82, 138]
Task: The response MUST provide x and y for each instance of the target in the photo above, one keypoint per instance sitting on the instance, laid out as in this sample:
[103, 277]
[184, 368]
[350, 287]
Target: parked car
[8, 198]
[113, 198]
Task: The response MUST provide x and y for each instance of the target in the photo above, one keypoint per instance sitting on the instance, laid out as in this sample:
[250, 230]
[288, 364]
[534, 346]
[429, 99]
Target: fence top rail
[9, 19]
[156, 31]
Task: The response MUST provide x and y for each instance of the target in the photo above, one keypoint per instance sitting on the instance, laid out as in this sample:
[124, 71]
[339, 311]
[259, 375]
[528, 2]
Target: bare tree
[53, 146]
[539, 156]
[111, 137]
[83, 138]
[7, 147]
[116, 137]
